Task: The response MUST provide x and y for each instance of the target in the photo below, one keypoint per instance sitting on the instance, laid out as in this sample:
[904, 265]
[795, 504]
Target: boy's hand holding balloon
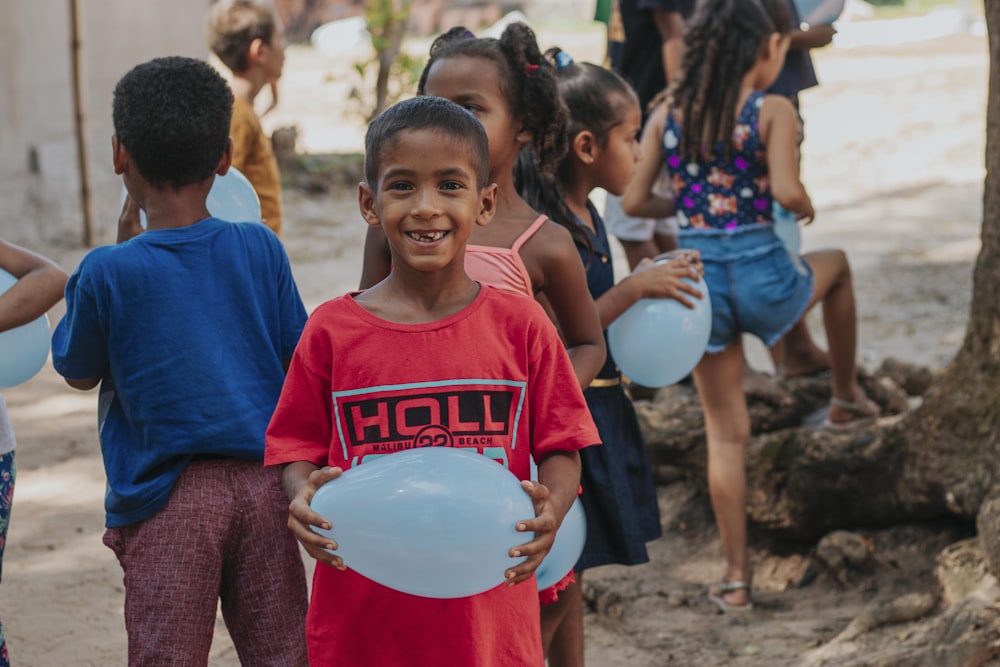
[544, 525]
[301, 516]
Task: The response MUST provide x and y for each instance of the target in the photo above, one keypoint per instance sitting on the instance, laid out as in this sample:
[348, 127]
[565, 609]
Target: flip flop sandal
[718, 592]
[862, 410]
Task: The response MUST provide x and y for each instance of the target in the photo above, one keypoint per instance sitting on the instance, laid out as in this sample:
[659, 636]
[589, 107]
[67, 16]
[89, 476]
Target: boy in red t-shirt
[428, 351]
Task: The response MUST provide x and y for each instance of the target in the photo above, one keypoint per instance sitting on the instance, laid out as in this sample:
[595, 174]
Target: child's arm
[40, 284]
[377, 261]
[301, 480]
[639, 199]
[779, 131]
[552, 495]
[650, 281]
[565, 288]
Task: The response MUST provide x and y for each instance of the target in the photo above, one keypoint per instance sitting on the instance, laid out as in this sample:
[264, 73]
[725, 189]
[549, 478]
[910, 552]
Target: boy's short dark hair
[172, 115]
[232, 26]
[427, 113]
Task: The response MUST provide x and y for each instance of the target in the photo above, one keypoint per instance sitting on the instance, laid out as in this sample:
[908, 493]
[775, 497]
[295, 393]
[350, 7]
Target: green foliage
[391, 73]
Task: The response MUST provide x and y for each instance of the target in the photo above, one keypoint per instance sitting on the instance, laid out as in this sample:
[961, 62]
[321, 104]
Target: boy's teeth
[432, 236]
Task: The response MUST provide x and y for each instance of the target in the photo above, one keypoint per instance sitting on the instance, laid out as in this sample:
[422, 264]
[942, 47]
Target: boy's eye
[399, 185]
[451, 185]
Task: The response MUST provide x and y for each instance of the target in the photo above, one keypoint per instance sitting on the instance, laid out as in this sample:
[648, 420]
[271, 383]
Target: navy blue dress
[619, 495]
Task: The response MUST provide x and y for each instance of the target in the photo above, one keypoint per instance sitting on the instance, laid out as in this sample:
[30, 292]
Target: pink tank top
[502, 267]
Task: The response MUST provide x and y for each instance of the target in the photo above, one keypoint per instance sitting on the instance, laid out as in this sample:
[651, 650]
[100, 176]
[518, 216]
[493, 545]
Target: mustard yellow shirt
[254, 157]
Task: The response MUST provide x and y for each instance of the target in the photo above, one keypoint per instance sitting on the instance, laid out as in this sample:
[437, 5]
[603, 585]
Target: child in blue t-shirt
[188, 328]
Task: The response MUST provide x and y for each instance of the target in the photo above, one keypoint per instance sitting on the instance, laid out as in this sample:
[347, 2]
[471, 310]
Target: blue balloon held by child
[434, 521]
[658, 342]
[231, 198]
[786, 228]
[566, 550]
[23, 349]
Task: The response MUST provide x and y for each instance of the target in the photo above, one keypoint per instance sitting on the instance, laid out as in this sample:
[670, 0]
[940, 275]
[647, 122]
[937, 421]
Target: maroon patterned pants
[222, 535]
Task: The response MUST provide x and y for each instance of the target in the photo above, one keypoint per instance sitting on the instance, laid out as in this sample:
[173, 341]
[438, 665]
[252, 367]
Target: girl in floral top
[731, 152]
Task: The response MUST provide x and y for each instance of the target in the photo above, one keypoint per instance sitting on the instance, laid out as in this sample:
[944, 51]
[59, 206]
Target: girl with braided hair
[731, 152]
[511, 88]
[619, 494]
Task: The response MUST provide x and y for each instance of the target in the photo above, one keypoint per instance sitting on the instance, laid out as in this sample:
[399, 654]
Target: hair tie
[563, 59]
[530, 69]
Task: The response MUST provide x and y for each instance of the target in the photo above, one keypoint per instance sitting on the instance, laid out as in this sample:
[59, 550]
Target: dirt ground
[893, 158]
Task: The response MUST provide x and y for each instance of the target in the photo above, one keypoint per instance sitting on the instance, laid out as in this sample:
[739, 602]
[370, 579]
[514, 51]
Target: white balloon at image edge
[25, 348]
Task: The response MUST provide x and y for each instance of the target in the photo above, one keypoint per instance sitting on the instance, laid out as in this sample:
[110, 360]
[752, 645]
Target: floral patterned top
[721, 194]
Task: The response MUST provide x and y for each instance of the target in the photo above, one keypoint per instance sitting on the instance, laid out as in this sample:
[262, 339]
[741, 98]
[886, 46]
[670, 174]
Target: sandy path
[894, 162]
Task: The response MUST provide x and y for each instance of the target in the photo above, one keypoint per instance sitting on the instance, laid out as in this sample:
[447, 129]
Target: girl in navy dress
[619, 495]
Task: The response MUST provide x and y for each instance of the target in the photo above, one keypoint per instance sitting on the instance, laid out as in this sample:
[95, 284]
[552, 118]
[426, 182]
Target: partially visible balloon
[566, 550]
[657, 342]
[432, 521]
[231, 198]
[786, 228]
[342, 37]
[23, 349]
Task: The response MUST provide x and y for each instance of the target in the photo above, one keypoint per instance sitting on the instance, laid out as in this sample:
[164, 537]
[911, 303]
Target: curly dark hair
[426, 113]
[233, 25]
[172, 115]
[527, 81]
[597, 99]
[722, 41]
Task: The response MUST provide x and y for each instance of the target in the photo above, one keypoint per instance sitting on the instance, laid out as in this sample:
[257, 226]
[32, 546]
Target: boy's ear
[227, 159]
[119, 155]
[366, 202]
[487, 204]
[584, 147]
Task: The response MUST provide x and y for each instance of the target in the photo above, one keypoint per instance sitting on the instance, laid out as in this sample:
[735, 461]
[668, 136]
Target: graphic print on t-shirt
[472, 413]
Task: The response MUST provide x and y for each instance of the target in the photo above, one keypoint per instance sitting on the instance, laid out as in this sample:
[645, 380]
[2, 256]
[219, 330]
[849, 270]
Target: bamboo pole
[80, 118]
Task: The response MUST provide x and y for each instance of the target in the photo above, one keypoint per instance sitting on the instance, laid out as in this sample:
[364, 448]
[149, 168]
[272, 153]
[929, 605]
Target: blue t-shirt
[187, 328]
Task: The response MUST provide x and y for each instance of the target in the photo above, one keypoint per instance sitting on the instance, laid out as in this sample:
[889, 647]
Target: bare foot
[764, 387]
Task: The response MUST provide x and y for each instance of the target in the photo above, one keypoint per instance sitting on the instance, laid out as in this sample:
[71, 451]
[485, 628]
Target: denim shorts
[756, 285]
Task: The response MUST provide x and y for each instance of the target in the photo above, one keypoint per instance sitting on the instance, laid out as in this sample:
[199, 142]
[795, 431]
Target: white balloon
[23, 349]
[231, 198]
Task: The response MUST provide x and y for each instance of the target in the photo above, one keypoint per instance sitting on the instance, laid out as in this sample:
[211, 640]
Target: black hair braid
[721, 44]
[536, 96]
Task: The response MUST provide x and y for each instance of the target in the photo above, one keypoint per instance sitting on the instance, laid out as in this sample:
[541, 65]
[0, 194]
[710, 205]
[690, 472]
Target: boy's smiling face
[427, 198]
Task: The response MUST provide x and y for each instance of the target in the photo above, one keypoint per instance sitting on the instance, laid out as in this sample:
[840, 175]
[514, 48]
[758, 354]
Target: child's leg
[172, 566]
[832, 284]
[797, 353]
[264, 596]
[562, 639]
[727, 429]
